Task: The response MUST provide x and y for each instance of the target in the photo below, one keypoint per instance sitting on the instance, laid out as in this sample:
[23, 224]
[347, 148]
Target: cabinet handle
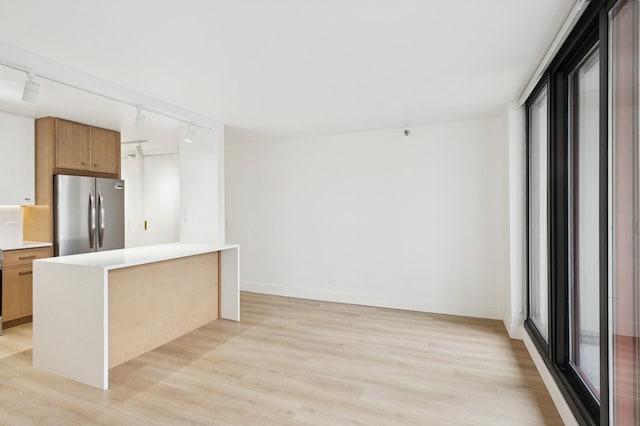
[26, 273]
[28, 257]
[82, 163]
[95, 165]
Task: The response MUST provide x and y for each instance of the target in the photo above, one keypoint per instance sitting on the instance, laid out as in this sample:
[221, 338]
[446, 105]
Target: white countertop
[124, 258]
[19, 245]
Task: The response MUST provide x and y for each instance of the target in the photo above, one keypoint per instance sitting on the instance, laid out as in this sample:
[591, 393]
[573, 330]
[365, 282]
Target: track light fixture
[140, 118]
[191, 133]
[31, 89]
[28, 63]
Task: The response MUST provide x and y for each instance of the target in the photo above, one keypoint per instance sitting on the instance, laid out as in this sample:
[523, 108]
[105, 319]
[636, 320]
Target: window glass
[584, 220]
[538, 244]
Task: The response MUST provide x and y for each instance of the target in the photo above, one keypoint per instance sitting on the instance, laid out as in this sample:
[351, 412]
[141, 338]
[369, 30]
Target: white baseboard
[515, 329]
[410, 304]
[556, 395]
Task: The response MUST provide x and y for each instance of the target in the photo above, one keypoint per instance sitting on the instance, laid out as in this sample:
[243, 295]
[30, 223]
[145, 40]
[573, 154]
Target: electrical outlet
[332, 281]
[11, 225]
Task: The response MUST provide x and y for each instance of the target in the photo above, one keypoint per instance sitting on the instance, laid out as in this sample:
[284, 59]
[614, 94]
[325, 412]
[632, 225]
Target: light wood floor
[293, 361]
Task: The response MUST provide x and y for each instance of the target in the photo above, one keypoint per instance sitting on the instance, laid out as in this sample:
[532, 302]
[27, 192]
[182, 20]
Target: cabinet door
[72, 145]
[16, 160]
[105, 151]
[17, 292]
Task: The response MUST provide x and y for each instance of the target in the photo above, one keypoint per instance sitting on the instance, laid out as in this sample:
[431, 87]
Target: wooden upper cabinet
[105, 151]
[72, 145]
[84, 148]
[69, 148]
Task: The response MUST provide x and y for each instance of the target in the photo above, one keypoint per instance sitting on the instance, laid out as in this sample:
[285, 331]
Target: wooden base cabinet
[17, 292]
[17, 284]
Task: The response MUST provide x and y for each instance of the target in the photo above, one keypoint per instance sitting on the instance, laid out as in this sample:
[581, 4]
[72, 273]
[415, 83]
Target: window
[588, 327]
[584, 220]
[568, 213]
[538, 230]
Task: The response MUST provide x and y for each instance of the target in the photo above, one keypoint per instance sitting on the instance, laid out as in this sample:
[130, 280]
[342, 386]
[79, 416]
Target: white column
[515, 293]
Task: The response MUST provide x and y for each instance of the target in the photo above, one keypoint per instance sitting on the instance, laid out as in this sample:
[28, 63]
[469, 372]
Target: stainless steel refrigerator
[88, 214]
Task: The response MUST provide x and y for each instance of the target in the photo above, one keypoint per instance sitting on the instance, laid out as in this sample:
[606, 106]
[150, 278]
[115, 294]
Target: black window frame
[542, 344]
[592, 29]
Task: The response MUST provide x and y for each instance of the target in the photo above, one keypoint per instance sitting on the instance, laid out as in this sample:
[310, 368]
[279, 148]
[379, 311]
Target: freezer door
[110, 214]
[74, 214]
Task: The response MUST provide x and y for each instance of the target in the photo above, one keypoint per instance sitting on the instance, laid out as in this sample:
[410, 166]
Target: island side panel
[155, 303]
[230, 284]
[69, 322]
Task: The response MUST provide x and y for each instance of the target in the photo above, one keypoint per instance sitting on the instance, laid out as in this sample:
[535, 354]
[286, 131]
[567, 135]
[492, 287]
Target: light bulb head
[140, 119]
[31, 90]
[191, 133]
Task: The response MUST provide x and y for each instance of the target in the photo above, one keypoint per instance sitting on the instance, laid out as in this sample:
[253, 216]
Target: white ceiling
[291, 68]
[160, 134]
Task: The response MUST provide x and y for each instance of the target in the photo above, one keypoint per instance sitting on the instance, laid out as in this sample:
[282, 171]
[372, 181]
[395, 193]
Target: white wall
[131, 172]
[418, 222]
[152, 193]
[202, 187]
[180, 195]
[10, 225]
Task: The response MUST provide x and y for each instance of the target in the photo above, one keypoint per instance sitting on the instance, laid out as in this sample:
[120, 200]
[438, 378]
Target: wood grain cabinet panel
[72, 145]
[105, 150]
[69, 148]
[17, 283]
[17, 292]
[25, 256]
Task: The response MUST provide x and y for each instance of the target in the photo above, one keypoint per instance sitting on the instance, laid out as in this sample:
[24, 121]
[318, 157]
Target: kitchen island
[94, 311]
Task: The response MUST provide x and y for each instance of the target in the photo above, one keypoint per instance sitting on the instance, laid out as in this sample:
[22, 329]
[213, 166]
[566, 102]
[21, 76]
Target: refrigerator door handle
[101, 207]
[92, 220]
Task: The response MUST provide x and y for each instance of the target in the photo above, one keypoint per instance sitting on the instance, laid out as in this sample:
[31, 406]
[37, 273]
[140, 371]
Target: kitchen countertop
[23, 245]
[124, 258]
[85, 321]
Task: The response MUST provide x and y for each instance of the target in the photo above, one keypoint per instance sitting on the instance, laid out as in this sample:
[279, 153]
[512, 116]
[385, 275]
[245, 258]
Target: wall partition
[583, 215]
